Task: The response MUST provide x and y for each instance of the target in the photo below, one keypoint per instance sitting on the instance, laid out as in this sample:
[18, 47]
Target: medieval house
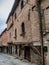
[28, 30]
[3, 41]
[23, 37]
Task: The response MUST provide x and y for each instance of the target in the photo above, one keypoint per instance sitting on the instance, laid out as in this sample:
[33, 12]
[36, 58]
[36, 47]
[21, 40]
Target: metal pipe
[41, 32]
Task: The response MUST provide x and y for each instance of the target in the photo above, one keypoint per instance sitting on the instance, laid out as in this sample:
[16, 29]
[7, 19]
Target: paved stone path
[10, 60]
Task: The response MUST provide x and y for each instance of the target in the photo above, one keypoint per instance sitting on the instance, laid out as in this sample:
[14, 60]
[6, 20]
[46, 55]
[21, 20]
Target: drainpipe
[41, 31]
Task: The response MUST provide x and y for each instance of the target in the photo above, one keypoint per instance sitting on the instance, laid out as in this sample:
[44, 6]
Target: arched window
[15, 34]
[29, 15]
[22, 4]
[23, 27]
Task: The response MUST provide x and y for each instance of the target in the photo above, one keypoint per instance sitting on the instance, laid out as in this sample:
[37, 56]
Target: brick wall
[32, 32]
[44, 5]
[4, 38]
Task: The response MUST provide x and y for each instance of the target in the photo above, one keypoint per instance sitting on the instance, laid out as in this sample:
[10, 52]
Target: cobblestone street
[10, 60]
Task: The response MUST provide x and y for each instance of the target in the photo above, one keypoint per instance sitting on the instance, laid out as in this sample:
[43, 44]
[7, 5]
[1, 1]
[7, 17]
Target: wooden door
[27, 53]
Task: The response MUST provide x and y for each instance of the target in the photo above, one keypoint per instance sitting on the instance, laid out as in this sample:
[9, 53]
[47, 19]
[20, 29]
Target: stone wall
[32, 31]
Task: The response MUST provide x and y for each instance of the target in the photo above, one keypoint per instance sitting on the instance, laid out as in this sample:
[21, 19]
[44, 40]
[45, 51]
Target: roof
[13, 9]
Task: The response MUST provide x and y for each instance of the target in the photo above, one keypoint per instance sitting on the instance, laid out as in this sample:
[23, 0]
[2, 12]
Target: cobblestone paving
[10, 60]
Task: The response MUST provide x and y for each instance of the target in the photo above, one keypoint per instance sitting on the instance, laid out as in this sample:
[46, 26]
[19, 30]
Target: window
[45, 49]
[29, 15]
[16, 50]
[15, 15]
[23, 27]
[33, 7]
[15, 33]
[22, 4]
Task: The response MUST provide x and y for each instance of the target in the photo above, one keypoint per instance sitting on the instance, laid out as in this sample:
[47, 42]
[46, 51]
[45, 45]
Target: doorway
[16, 50]
[27, 53]
[10, 49]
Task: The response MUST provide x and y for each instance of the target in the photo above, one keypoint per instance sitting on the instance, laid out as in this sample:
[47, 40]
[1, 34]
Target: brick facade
[24, 32]
[4, 39]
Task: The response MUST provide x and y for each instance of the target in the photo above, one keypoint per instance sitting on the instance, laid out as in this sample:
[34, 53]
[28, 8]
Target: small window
[22, 4]
[29, 15]
[33, 8]
[15, 15]
[23, 27]
[15, 33]
[16, 50]
[45, 49]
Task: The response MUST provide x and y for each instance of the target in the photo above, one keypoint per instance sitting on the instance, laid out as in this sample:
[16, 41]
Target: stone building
[24, 30]
[28, 29]
[10, 33]
[3, 41]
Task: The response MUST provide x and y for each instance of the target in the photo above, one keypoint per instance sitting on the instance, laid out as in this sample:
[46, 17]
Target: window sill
[15, 37]
[22, 34]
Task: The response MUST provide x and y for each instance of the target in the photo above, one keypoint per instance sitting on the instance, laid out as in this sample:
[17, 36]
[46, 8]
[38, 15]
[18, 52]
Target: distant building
[3, 41]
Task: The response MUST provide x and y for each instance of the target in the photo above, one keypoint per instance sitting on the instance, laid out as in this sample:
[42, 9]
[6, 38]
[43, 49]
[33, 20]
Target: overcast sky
[5, 8]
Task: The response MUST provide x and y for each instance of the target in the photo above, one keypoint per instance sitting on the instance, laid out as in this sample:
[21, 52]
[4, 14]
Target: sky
[5, 8]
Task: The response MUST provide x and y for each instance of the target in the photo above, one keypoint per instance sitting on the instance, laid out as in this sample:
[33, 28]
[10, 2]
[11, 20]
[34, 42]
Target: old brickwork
[4, 38]
[3, 41]
[32, 32]
[24, 32]
[45, 6]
